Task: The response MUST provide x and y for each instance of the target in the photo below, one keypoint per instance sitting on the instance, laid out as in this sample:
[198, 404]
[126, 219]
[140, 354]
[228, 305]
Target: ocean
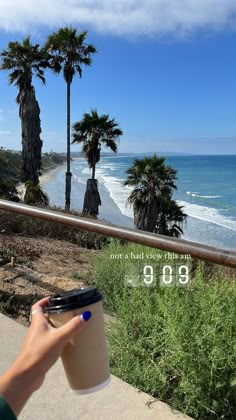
[206, 190]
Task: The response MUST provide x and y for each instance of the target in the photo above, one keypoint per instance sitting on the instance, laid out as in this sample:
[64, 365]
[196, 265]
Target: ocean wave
[208, 214]
[86, 171]
[79, 160]
[120, 193]
[112, 166]
[117, 191]
[122, 156]
[196, 194]
[80, 180]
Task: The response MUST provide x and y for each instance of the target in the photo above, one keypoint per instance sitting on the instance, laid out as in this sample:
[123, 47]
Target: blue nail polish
[86, 315]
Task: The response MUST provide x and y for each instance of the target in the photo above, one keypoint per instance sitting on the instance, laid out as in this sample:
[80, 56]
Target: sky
[164, 70]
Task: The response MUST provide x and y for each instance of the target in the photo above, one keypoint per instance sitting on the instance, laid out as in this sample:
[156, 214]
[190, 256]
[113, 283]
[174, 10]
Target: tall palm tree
[23, 61]
[69, 51]
[154, 209]
[94, 131]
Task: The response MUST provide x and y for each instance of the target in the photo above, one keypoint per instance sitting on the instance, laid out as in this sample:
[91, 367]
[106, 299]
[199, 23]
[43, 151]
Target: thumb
[74, 326]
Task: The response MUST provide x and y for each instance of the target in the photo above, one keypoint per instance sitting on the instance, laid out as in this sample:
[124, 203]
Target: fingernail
[86, 315]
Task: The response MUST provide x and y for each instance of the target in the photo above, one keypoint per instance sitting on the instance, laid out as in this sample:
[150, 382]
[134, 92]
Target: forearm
[42, 347]
[16, 386]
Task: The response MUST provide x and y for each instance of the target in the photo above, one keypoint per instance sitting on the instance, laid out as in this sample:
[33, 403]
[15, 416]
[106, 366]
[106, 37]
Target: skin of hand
[42, 347]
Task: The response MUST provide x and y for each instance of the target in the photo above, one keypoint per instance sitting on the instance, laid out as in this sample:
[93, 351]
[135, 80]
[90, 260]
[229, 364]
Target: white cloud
[122, 17]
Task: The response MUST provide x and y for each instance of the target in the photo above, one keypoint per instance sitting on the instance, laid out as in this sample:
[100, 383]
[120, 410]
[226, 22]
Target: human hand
[42, 347]
[44, 343]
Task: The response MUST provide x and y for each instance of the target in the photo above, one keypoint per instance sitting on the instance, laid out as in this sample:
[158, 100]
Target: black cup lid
[73, 299]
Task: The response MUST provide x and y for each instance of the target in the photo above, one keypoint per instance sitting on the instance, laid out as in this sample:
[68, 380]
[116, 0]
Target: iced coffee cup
[85, 357]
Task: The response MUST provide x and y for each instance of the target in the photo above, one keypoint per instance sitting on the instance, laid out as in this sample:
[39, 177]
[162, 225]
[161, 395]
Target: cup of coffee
[85, 357]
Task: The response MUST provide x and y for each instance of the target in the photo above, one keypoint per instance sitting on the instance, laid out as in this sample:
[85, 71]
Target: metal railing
[178, 246]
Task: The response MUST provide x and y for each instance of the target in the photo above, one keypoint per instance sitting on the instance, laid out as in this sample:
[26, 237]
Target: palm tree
[25, 60]
[94, 131]
[154, 209]
[170, 219]
[69, 52]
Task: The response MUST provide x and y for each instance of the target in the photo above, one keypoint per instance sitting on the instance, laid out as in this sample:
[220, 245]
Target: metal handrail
[178, 246]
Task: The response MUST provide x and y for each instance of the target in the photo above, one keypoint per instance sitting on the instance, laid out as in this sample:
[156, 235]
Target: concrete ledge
[54, 401]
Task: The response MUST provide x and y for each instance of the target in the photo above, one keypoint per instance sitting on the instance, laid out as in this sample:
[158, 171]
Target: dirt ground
[51, 266]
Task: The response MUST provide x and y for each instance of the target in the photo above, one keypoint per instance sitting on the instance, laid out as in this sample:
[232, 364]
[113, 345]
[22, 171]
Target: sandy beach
[46, 177]
[54, 181]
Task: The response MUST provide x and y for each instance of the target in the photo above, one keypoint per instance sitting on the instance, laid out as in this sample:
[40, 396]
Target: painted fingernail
[86, 315]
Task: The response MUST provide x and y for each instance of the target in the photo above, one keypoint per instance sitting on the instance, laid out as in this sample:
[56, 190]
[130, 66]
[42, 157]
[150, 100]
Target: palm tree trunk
[93, 171]
[29, 113]
[92, 198]
[145, 215]
[68, 172]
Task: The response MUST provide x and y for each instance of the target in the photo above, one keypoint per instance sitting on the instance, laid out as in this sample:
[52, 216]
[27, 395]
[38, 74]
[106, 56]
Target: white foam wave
[208, 196]
[117, 191]
[79, 179]
[119, 194]
[108, 166]
[122, 156]
[208, 214]
[196, 194]
[86, 171]
[112, 166]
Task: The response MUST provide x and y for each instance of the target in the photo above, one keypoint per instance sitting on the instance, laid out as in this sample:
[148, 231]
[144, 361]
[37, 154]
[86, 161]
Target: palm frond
[94, 131]
[23, 61]
[71, 49]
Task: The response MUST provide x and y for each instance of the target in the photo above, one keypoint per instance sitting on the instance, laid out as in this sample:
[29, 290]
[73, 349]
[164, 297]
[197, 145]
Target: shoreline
[46, 176]
[195, 230]
[108, 211]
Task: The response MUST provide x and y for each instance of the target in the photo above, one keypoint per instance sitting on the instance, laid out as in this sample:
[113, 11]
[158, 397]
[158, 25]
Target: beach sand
[46, 177]
[53, 183]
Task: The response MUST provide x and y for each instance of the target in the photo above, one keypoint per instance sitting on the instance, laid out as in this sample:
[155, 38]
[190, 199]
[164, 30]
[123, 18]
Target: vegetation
[10, 174]
[34, 195]
[10, 165]
[49, 159]
[30, 226]
[10, 171]
[154, 209]
[23, 61]
[95, 131]
[8, 190]
[175, 343]
[68, 52]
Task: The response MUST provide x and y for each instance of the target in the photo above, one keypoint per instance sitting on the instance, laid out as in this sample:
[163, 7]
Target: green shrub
[176, 343]
[112, 268]
[8, 189]
[34, 194]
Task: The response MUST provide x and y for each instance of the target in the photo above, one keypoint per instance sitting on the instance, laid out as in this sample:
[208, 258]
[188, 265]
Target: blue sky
[165, 70]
